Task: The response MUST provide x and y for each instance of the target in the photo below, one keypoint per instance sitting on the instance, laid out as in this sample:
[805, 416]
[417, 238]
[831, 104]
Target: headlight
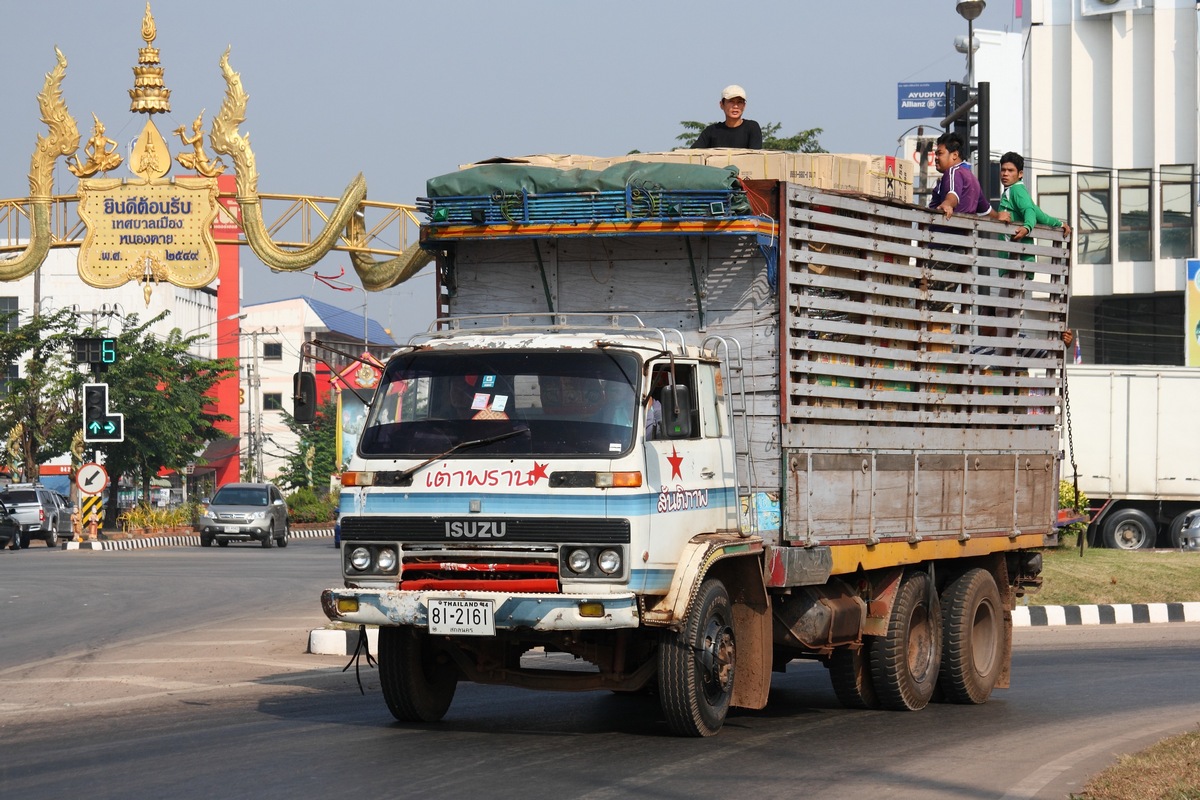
[609, 561]
[386, 560]
[258, 515]
[579, 561]
[360, 559]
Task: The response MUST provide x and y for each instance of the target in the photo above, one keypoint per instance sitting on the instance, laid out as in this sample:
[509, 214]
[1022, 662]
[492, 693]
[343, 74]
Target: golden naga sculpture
[196, 160]
[226, 140]
[150, 161]
[101, 152]
[61, 140]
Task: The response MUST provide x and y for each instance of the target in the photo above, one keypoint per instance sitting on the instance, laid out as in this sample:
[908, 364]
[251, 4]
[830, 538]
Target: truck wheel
[1130, 529]
[850, 673]
[52, 537]
[905, 661]
[205, 540]
[25, 539]
[418, 683]
[696, 666]
[972, 638]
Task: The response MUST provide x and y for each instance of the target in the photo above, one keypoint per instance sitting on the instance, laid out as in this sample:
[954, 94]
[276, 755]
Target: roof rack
[555, 322]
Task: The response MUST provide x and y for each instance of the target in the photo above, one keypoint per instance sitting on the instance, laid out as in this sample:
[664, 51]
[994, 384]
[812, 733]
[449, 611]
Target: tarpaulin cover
[487, 179]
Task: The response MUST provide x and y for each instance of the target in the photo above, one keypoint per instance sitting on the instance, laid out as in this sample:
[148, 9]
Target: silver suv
[41, 513]
[244, 512]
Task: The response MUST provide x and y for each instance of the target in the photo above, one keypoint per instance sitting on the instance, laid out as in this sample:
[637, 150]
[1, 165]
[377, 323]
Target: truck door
[690, 476]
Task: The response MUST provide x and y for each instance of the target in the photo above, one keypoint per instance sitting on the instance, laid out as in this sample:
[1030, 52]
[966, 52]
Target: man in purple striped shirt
[958, 189]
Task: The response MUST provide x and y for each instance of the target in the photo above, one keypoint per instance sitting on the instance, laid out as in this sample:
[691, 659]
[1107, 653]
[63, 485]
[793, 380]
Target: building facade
[1111, 145]
[272, 336]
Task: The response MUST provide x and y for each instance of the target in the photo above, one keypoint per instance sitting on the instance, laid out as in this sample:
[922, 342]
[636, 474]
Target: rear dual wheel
[850, 673]
[973, 638]
[905, 661]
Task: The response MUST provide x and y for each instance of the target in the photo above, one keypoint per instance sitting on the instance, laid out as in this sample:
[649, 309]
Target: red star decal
[538, 472]
[676, 461]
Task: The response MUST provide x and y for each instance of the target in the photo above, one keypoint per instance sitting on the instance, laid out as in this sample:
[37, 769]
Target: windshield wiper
[406, 476]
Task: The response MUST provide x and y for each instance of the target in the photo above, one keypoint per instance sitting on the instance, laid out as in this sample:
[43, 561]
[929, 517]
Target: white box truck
[1135, 440]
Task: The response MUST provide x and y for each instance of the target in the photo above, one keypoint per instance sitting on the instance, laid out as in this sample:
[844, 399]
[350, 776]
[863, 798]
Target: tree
[321, 437]
[40, 408]
[805, 141]
[162, 389]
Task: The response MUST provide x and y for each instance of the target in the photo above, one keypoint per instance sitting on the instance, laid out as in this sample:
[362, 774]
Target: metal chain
[1071, 451]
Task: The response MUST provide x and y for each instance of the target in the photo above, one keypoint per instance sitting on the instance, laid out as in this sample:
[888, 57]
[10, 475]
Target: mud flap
[752, 629]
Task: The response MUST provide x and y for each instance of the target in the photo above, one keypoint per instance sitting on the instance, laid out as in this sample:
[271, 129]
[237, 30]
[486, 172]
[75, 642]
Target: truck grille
[502, 569]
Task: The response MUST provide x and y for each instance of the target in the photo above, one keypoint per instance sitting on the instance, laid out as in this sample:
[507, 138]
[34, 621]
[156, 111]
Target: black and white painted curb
[184, 540]
[341, 642]
[1115, 614]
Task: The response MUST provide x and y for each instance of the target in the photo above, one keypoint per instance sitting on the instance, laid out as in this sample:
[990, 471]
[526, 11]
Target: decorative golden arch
[326, 224]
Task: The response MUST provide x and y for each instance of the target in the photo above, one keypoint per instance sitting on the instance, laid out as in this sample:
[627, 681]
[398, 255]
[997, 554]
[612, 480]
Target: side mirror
[676, 412]
[304, 395]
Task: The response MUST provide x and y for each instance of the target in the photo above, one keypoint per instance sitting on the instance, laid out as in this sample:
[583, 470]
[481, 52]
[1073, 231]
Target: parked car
[1189, 532]
[39, 511]
[9, 528]
[244, 512]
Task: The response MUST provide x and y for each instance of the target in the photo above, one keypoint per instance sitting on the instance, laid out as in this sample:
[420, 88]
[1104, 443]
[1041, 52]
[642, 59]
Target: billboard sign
[921, 100]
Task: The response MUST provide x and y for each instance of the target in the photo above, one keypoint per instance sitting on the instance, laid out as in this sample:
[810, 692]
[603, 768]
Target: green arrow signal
[110, 427]
[95, 427]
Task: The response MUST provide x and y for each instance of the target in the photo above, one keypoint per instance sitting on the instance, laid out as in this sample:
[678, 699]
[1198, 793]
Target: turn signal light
[347, 605]
[358, 479]
[618, 480]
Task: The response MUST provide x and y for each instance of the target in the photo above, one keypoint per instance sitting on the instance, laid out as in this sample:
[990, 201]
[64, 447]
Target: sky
[403, 91]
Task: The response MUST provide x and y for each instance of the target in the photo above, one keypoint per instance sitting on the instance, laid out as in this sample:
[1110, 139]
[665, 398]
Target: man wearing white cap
[735, 131]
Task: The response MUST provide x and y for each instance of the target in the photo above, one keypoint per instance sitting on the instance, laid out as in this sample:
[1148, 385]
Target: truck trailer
[675, 429]
[1134, 439]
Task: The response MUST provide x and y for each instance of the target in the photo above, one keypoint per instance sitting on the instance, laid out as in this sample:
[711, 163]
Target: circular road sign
[91, 479]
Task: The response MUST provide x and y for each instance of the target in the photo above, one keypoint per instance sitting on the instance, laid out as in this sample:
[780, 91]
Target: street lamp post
[970, 11]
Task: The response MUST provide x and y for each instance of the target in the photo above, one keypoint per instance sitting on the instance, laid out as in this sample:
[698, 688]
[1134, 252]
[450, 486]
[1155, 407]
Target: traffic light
[960, 103]
[98, 424]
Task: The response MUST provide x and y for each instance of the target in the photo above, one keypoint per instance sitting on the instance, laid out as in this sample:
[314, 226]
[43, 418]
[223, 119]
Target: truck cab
[531, 463]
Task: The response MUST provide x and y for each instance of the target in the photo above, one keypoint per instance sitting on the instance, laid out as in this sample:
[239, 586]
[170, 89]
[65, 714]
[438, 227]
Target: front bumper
[539, 612]
[233, 533]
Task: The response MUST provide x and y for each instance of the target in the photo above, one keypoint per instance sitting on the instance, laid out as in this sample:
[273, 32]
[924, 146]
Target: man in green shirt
[1015, 203]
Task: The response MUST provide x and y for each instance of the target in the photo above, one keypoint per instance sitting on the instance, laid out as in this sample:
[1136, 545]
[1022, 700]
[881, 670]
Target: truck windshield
[573, 403]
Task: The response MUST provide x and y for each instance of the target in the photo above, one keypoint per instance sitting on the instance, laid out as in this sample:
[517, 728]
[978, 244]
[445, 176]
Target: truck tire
[906, 660]
[52, 537]
[418, 686]
[850, 673]
[972, 638]
[1130, 529]
[696, 665]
